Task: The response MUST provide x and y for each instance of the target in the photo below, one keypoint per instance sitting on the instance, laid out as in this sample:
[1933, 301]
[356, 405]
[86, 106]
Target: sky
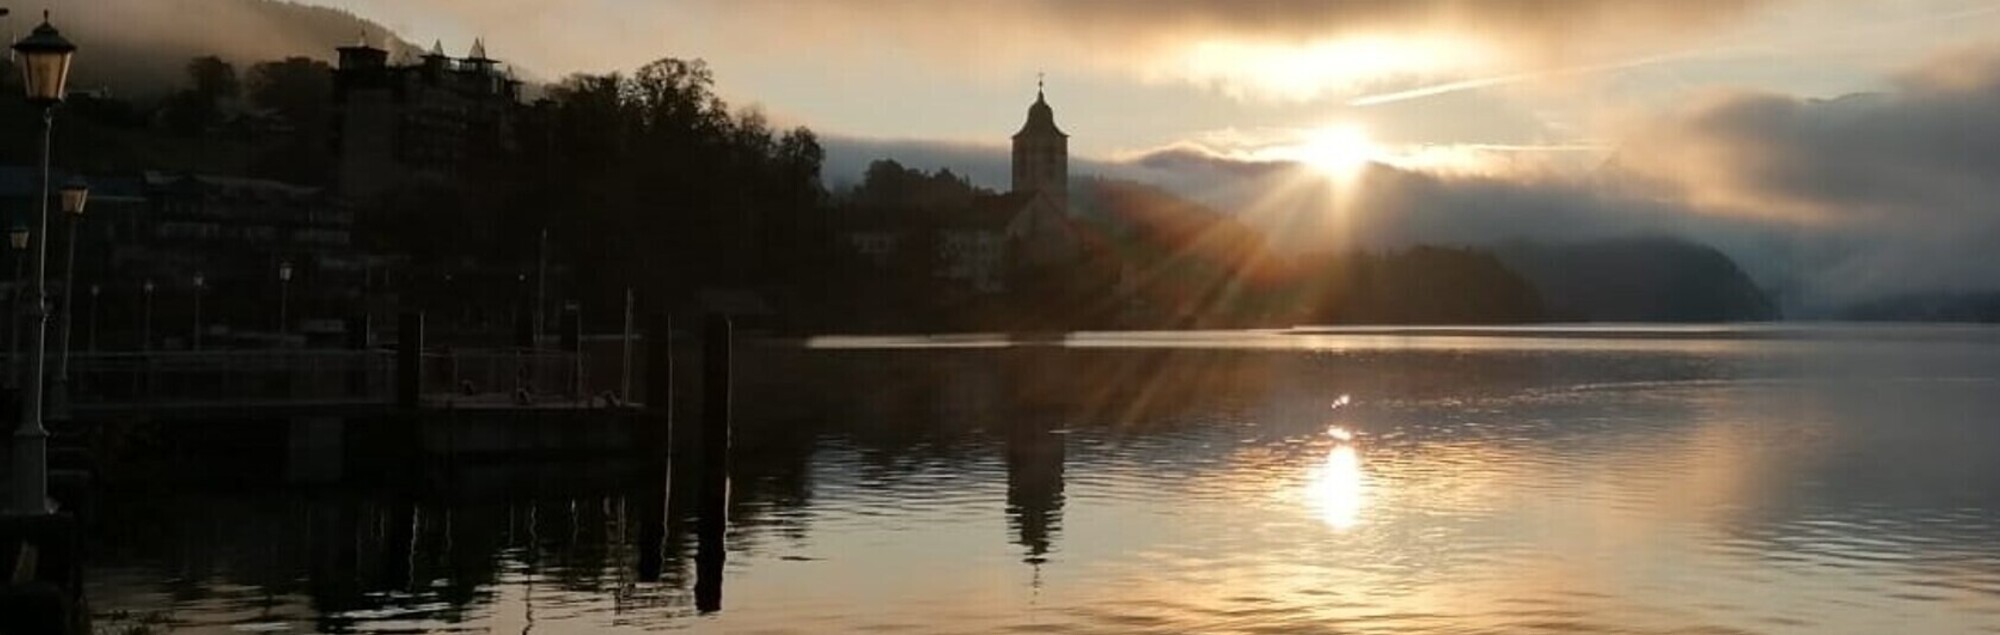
[1841, 150]
[1135, 75]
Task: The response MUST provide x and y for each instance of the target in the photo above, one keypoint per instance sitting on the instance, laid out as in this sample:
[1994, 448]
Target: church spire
[1041, 117]
[1041, 151]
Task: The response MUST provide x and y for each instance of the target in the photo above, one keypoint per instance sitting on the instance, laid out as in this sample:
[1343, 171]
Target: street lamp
[95, 291]
[200, 283]
[44, 56]
[17, 237]
[75, 193]
[284, 293]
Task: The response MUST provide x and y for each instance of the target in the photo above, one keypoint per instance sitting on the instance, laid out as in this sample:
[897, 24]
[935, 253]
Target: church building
[1024, 231]
[985, 244]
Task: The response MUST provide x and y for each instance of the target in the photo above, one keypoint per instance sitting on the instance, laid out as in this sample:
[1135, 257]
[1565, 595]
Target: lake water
[1600, 480]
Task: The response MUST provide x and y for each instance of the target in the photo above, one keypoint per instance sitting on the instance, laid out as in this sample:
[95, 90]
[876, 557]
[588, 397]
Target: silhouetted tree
[652, 181]
[297, 88]
[193, 110]
[299, 91]
[213, 78]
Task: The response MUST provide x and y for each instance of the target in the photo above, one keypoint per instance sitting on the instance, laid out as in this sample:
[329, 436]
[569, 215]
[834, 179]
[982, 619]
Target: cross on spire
[1039, 78]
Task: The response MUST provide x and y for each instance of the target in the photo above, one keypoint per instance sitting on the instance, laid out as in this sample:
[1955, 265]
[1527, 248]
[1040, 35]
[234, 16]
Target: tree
[650, 180]
[297, 88]
[213, 79]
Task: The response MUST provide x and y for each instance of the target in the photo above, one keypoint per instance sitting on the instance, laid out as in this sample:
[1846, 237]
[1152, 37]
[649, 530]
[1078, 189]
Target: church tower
[1041, 154]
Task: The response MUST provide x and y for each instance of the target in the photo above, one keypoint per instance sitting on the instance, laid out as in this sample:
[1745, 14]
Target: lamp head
[75, 193]
[45, 55]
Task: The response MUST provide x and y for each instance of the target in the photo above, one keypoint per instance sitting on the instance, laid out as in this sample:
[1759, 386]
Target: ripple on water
[1662, 490]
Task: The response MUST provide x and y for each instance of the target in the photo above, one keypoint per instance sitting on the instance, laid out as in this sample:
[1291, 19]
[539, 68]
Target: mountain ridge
[140, 48]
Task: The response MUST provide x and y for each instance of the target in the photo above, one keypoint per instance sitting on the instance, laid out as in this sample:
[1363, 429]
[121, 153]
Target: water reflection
[1337, 488]
[1035, 486]
[1757, 487]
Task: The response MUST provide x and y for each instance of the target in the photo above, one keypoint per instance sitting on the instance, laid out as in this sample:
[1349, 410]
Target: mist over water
[1710, 480]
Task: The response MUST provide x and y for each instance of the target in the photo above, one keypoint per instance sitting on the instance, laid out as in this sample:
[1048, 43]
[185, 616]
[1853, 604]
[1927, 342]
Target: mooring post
[714, 513]
[409, 359]
[572, 343]
[650, 506]
[659, 397]
[625, 360]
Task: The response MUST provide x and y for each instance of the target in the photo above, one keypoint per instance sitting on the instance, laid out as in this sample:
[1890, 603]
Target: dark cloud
[1897, 190]
[1192, 158]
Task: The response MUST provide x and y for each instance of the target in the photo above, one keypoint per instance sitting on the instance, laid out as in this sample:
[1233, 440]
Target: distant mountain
[139, 48]
[1936, 307]
[1638, 280]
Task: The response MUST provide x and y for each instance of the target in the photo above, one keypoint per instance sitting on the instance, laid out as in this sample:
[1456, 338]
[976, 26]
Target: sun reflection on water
[1337, 488]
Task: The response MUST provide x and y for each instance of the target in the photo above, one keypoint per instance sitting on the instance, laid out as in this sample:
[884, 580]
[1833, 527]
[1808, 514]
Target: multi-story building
[250, 242]
[398, 123]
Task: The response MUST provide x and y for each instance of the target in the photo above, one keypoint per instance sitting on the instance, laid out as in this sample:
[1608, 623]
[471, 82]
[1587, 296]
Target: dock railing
[274, 377]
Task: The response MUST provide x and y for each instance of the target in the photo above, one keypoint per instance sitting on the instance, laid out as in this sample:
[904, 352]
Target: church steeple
[1041, 152]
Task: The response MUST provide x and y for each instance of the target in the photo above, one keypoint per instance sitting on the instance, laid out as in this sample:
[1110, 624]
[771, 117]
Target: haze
[1840, 150]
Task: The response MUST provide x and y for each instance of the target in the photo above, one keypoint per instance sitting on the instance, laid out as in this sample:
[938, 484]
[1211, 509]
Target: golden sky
[1838, 149]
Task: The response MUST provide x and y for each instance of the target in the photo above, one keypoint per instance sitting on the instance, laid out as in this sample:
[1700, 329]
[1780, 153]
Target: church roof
[478, 53]
[1041, 120]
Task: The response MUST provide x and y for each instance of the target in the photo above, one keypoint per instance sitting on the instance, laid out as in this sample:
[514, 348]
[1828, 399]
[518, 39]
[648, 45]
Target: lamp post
[75, 193]
[95, 291]
[284, 293]
[146, 324]
[17, 238]
[541, 286]
[44, 57]
[200, 285]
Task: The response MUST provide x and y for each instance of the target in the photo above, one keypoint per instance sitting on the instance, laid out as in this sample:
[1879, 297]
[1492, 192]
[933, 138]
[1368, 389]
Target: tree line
[648, 180]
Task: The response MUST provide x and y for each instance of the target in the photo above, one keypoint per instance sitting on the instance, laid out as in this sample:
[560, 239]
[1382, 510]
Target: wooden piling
[713, 517]
[659, 395]
[650, 506]
[571, 324]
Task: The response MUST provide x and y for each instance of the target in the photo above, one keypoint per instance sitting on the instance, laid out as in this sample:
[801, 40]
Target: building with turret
[1041, 154]
[396, 123]
[1039, 232]
[986, 244]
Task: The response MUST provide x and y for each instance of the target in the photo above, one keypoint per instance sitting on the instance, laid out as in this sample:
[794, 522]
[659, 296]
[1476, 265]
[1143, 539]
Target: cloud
[1188, 157]
[144, 45]
[1293, 49]
[1895, 190]
[1829, 201]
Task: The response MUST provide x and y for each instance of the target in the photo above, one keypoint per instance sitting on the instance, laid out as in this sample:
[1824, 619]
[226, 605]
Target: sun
[1340, 151]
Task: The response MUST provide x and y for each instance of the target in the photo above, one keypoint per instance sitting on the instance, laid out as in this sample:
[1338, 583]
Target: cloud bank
[1248, 48]
[1828, 202]
[145, 45]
